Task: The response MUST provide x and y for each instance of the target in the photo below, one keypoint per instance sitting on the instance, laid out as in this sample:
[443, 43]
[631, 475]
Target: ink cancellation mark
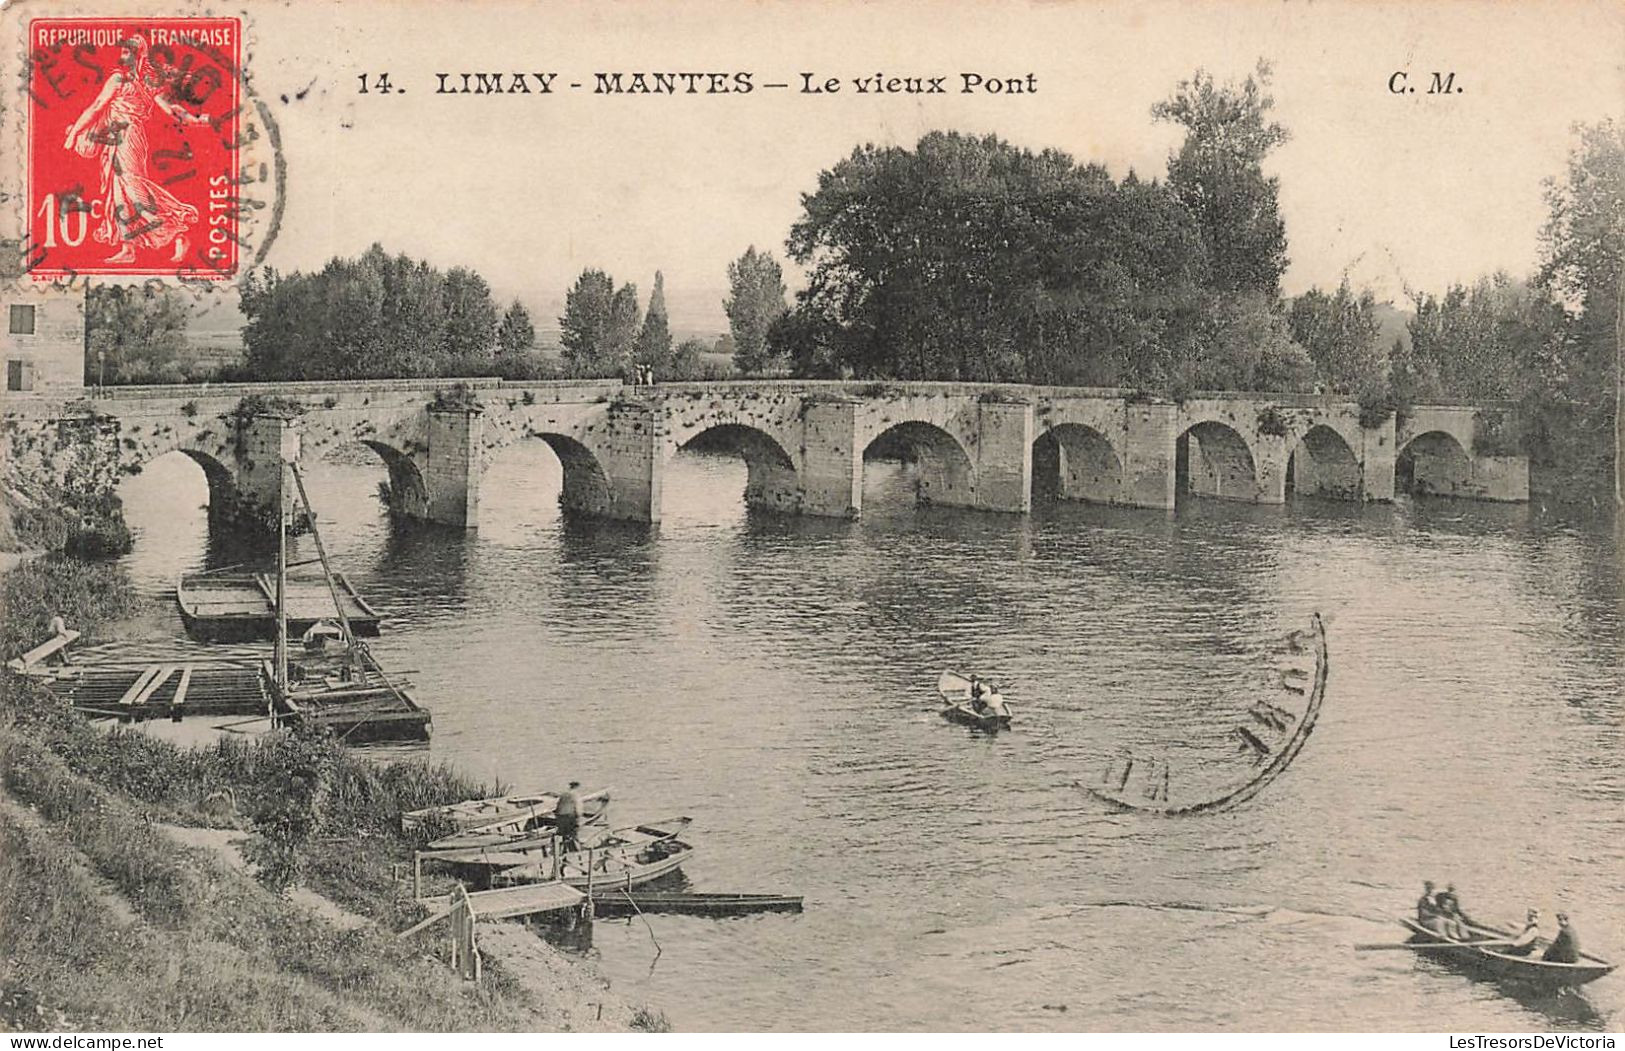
[136, 148]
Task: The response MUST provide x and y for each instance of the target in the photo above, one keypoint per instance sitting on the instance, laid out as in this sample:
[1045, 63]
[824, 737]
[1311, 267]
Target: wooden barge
[357, 702]
[237, 606]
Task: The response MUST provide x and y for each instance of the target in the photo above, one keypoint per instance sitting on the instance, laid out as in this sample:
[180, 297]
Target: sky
[1411, 190]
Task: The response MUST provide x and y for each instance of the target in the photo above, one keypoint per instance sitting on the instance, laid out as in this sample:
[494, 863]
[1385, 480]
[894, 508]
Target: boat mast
[282, 582]
[327, 573]
[287, 455]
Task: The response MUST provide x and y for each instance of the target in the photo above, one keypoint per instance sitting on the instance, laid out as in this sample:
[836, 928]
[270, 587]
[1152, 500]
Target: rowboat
[498, 811]
[1491, 963]
[956, 693]
[535, 821]
[624, 857]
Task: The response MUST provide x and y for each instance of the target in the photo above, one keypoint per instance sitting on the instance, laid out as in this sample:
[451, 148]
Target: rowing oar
[1382, 946]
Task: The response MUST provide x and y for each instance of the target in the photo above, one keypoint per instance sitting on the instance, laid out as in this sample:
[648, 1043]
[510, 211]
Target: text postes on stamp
[135, 143]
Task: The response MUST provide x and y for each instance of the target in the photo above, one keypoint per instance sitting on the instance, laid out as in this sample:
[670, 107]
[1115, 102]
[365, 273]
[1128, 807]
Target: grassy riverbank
[111, 922]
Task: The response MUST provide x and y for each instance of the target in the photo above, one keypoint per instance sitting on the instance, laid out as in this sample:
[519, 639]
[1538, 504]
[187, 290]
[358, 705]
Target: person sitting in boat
[1456, 924]
[1524, 943]
[1565, 948]
[1427, 913]
[979, 692]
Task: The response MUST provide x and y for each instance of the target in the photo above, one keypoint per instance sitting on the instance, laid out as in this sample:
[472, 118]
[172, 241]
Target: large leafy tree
[1583, 260]
[471, 316]
[756, 299]
[373, 316]
[584, 327]
[1218, 175]
[968, 258]
[135, 335]
[625, 321]
[599, 325]
[1483, 343]
[1342, 334]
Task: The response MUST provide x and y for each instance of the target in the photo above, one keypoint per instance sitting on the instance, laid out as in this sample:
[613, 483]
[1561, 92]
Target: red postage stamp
[133, 146]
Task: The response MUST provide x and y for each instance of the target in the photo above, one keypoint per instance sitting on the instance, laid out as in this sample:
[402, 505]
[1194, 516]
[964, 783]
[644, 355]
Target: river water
[773, 678]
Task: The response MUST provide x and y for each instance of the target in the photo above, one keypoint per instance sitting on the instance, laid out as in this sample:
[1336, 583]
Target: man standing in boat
[567, 814]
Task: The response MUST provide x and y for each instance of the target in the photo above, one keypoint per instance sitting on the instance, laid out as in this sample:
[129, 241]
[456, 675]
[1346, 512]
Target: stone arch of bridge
[215, 473]
[408, 494]
[586, 487]
[1211, 458]
[771, 480]
[946, 474]
[1073, 461]
[1323, 464]
[1432, 463]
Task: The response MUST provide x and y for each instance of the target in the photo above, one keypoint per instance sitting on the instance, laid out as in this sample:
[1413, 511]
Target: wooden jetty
[218, 606]
[624, 901]
[505, 903]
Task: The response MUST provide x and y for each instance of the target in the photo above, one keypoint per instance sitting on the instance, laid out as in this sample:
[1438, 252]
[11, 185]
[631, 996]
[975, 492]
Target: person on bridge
[1565, 948]
[567, 815]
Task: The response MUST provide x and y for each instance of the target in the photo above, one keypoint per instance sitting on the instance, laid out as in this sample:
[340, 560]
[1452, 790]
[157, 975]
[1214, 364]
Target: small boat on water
[536, 821]
[960, 708]
[498, 811]
[624, 857]
[241, 606]
[1493, 963]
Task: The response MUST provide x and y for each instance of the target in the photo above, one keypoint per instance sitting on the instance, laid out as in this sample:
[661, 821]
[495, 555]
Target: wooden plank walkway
[49, 647]
[504, 903]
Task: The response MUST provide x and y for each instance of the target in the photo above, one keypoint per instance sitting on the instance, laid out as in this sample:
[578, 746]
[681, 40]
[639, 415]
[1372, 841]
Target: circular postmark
[148, 156]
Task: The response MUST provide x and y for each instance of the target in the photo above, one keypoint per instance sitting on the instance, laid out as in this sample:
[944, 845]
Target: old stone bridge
[976, 446]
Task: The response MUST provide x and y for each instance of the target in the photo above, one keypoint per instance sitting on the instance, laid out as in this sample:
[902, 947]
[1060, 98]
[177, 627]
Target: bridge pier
[1149, 467]
[631, 454]
[831, 467]
[252, 495]
[451, 469]
[1004, 457]
[1377, 451]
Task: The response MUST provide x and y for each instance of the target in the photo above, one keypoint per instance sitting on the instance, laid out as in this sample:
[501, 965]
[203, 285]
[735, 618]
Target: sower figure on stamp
[135, 210]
